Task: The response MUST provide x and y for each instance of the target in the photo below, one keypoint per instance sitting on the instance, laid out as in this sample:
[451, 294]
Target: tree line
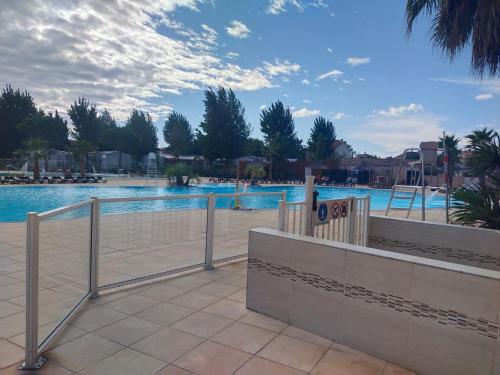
[223, 134]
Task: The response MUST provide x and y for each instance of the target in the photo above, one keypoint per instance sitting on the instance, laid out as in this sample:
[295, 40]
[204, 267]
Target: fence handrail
[61, 210]
[249, 194]
[153, 198]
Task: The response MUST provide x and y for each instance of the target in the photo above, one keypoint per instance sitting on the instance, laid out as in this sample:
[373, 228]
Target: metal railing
[147, 228]
[348, 225]
[33, 346]
[353, 228]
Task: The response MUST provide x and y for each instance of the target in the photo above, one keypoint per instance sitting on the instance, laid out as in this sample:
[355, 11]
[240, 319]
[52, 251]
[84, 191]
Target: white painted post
[366, 221]
[94, 246]
[209, 239]
[282, 214]
[32, 246]
[353, 220]
[309, 203]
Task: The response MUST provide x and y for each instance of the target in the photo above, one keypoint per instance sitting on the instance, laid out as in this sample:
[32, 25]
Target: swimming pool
[16, 201]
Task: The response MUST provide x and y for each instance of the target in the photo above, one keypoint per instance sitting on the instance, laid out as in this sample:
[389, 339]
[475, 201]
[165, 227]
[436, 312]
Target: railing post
[209, 242]
[366, 221]
[353, 221]
[32, 246]
[95, 222]
[282, 214]
[309, 204]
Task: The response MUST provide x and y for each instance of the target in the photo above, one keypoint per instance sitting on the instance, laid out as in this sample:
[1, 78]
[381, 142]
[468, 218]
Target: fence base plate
[37, 365]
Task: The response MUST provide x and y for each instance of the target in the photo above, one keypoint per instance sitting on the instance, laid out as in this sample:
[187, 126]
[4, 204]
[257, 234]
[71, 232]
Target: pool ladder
[398, 192]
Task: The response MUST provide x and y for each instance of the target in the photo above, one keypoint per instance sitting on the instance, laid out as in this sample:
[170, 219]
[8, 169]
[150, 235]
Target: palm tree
[80, 149]
[176, 173]
[458, 23]
[478, 204]
[453, 154]
[34, 149]
[485, 147]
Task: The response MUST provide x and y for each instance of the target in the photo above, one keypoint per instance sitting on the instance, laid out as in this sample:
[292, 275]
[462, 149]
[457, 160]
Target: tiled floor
[195, 324]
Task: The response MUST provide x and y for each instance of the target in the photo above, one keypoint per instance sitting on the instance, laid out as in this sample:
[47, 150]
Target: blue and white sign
[332, 210]
[322, 212]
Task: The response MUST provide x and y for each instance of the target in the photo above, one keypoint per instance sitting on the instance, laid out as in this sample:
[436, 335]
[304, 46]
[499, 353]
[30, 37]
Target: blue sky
[349, 61]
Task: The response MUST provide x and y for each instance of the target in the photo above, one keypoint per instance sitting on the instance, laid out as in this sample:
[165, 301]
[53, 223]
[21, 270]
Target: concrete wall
[452, 243]
[434, 317]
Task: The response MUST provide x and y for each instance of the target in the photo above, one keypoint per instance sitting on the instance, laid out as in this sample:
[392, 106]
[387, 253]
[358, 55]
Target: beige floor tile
[167, 344]
[292, 352]
[95, 318]
[263, 321]
[108, 297]
[10, 354]
[69, 333]
[7, 308]
[49, 368]
[128, 330]
[244, 337]
[132, 304]
[162, 292]
[239, 296]
[83, 352]
[227, 309]
[218, 289]
[188, 282]
[212, 358]
[194, 300]
[306, 336]
[342, 363]
[202, 324]
[392, 369]
[261, 366]
[125, 362]
[165, 313]
[235, 279]
[174, 370]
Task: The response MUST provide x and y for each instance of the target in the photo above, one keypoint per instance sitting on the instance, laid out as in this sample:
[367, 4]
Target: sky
[349, 61]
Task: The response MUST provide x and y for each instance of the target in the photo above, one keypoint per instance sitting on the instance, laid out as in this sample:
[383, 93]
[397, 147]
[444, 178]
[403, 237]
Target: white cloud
[307, 101]
[238, 29]
[484, 97]
[339, 116]
[304, 112]
[355, 61]
[66, 50]
[276, 7]
[232, 55]
[262, 107]
[491, 85]
[306, 82]
[280, 67]
[329, 49]
[391, 135]
[331, 74]
[400, 111]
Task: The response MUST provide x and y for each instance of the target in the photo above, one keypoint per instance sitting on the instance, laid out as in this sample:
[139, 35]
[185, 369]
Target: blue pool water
[16, 201]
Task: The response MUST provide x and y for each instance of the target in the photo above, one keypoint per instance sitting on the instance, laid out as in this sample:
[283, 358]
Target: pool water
[17, 201]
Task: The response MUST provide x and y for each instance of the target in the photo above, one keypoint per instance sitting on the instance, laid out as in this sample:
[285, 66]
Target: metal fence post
[309, 203]
[209, 242]
[32, 245]
[94, 246]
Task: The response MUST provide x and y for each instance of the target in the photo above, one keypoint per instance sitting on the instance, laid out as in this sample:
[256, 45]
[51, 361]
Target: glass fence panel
[64, 266]
[155, 236]
[234, 217]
